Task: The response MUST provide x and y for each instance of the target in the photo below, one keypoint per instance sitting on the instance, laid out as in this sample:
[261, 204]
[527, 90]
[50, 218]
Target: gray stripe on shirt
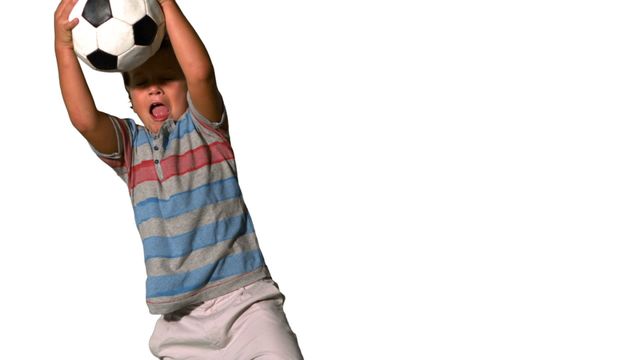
[201, 257]
[191, 220]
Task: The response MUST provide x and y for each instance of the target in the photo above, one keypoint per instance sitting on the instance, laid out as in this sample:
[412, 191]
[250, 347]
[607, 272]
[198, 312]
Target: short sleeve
[121, 159]
[208, 124]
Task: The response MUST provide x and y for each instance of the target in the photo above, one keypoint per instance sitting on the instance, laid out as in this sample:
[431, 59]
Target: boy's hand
[63, 26]
[164, 1]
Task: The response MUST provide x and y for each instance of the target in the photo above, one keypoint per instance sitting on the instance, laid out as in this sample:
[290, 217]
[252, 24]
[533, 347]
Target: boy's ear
[126, 88]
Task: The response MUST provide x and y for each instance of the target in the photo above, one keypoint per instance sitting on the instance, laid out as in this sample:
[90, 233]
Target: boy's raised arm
[194, 61]
[94, 125]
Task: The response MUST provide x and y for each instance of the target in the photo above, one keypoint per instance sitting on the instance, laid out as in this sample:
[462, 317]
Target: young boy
[205, 272]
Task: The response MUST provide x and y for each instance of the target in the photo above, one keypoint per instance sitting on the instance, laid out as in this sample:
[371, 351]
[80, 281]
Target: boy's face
[158, 90]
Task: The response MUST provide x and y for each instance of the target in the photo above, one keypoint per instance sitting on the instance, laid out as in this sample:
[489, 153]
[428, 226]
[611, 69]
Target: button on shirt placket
[157, 155]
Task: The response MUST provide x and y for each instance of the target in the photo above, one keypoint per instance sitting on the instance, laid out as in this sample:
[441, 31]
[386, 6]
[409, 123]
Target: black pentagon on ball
[144, 31]
[97, 12]
[103, 61]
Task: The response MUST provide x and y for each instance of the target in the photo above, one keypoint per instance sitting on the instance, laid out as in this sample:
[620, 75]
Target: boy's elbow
[84, 125]
[79, 124]
[82, 128]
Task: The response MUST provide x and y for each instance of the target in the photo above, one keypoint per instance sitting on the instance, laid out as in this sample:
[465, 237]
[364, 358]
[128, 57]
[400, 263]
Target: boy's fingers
[70, 6]
[66, 6]
[71, 24]
[62, 15]
[61, 6]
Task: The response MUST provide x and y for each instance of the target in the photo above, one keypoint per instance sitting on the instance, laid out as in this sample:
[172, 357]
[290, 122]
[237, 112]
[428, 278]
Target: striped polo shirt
[197, 235]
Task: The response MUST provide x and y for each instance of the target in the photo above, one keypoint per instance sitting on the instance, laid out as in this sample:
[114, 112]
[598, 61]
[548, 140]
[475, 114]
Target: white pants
[248, 323]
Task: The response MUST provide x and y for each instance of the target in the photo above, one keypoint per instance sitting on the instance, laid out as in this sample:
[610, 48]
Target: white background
[428, 180]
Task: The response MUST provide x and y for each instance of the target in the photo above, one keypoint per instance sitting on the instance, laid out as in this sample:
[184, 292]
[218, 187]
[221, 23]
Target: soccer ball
[117, 35]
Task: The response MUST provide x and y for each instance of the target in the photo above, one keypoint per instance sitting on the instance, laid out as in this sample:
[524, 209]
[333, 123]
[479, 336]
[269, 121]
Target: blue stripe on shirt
[235, 264]
[184, 127]
[187, 201]
[203, 236]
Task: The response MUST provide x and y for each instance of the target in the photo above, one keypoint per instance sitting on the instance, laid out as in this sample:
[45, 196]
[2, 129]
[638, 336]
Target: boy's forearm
[189, 49]
[75, 91]
[194, 61]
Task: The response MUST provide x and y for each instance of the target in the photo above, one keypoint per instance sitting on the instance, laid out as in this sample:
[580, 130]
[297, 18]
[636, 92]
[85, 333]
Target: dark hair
[165, 44]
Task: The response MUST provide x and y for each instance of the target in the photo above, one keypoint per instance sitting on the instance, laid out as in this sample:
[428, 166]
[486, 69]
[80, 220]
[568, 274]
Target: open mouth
[159, 111]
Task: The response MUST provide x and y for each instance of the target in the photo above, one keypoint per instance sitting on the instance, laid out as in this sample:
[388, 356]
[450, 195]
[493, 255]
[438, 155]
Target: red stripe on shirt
[144, 171]
[182, 164]
[195, 159]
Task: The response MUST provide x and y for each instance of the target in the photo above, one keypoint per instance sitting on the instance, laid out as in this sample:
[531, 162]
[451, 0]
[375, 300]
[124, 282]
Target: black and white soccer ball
[117, 35]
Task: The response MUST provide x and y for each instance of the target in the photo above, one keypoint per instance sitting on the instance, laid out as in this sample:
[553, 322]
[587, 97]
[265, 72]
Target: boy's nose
[155, 90]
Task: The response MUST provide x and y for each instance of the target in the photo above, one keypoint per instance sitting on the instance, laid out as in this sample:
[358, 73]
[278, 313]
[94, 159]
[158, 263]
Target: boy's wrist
[60, 48]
